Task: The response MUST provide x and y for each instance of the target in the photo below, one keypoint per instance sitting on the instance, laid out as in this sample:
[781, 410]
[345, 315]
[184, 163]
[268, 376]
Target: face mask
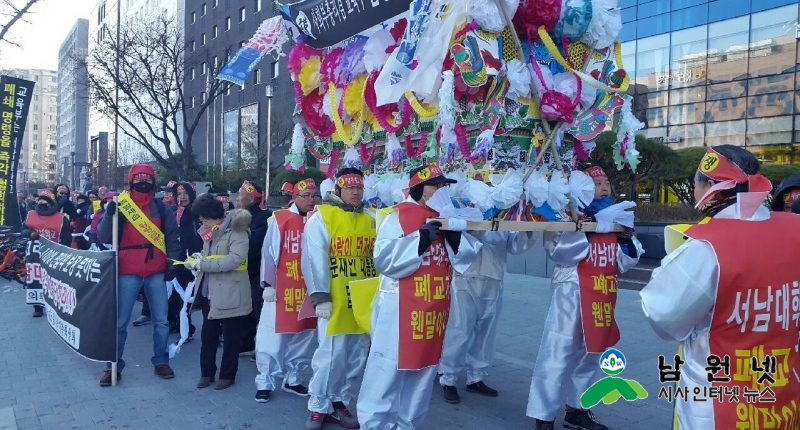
[143, 187]
[43, 207]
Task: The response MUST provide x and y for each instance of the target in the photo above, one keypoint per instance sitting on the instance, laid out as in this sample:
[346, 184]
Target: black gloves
[170, 274]
[26, 233]
[427, 234]
[111, 209]
[453, 238]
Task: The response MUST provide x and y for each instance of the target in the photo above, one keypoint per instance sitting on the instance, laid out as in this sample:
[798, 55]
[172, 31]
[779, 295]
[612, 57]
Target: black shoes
[163, 371]
[582, 419]
[481, 388]
[297, 390]
[262, 396]
[451, 394]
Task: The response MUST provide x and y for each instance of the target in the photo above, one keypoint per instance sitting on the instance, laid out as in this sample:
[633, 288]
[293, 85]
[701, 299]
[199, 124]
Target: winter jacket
[188, 226]
[137, 256]
[228, 288]
[258, 230]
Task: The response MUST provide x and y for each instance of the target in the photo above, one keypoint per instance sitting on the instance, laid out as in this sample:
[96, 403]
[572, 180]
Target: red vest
[49, 227]
[291, 289]
[136, 257]
[424, 297]
[597, 280]
[756, 314]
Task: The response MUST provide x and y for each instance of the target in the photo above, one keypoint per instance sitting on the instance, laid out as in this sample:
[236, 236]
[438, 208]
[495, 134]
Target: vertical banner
[79, 293]
[15, 98]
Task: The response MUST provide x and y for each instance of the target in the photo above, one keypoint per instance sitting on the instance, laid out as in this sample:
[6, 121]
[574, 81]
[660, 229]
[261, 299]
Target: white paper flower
[488, 16]
[581, 188]
[326, 186]
[508, 191]
[480, 195]
[519, 79]
[536, 189]
[605, 24]
[557, 191]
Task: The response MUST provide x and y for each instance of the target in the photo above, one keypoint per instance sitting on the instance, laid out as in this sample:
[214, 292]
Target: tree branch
[17, 15]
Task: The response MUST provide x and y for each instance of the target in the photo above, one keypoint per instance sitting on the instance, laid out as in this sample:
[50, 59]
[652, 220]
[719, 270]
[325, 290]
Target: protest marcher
[252, 198]
[471, 336]
[169, 194]
[191, 242]
[712, 294]
[285, 344]
[415, 261]
[225, 198]
[337, 248]
[96, 218]
[786, 194]
[83, 209]
[23, 206]
[224, 290]
[146, 242]
[48, 223]
[574, 337]
[63, 199]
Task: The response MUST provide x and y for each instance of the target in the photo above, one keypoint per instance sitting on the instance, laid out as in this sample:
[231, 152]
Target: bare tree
[148, 62]
[10, 15]
[254, 150]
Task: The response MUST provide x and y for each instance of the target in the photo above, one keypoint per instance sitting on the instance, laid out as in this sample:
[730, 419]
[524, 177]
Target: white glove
[324, 310]
[269, 294]
[456, 224]
[192, 264]
[615, 214]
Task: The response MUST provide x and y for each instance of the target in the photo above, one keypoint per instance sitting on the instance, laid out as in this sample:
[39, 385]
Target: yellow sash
[96, 206]
[140, 222]
[241, 267]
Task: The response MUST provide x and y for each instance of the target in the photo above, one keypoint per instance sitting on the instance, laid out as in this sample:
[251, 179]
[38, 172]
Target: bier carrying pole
[115, 247]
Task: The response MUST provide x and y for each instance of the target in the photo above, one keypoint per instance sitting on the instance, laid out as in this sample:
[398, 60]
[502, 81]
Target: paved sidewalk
[48, 386]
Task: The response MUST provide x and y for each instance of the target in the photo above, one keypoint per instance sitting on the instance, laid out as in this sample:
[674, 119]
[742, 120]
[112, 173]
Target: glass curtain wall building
[709, 72]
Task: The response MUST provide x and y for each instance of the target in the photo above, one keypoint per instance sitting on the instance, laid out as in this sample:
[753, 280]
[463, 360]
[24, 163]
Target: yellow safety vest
[352, 237]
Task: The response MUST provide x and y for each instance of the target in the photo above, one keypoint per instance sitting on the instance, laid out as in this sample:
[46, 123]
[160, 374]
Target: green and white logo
[609, 389]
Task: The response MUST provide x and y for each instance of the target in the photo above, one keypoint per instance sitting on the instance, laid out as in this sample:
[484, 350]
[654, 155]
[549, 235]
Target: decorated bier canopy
[506, 96]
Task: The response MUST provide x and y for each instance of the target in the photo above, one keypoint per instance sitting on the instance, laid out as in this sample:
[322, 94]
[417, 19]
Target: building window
[227, 23]
[194, 17]
[203, 10]
[192, 45]
[215, 32]
[241, 14]
[35, 137]
[215, 3]
[216, 62]
[203, 96]
[202, 39]
[258, 76]
[35, 127]
[203, 68]
[258, 5]
[241, 43]
[191, 102]
[191, 73]
[275, 71]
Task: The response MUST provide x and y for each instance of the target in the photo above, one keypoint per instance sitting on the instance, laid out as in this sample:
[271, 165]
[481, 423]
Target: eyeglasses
[309, 196]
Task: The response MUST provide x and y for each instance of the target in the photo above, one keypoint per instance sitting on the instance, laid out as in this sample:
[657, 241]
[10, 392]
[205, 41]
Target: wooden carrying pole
[115, 247]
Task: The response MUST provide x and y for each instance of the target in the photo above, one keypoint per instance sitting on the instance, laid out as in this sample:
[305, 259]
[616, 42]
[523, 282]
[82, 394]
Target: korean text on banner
[79, 294]
[15, 98]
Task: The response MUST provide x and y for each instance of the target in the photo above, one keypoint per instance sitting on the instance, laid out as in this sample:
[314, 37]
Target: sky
[48, 23]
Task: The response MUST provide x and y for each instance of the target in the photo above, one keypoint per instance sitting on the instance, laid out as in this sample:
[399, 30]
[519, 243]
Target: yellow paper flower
[309, 75]
[353, 96]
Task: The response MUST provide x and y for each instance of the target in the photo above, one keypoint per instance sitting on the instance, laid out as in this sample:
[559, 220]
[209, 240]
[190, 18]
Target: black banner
[15, 99]
[79, 292]
[328, 22]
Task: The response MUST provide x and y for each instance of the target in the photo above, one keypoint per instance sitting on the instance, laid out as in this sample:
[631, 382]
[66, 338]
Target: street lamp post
[73, 170]
[269, 92]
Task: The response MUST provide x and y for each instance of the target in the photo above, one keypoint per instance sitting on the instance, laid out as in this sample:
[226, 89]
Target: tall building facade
[73, 105]
[37, 161]
[710, 72]
[232, 132]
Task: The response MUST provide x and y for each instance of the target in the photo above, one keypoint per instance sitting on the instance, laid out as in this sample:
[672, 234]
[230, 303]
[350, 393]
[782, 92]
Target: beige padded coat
[228, 285]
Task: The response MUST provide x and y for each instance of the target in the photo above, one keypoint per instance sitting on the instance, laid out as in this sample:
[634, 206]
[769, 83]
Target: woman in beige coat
[224, 287]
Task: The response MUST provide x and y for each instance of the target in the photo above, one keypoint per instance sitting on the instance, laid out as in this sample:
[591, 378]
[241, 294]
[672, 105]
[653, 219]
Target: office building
[233, 129]
[73, 105]
[709, 72]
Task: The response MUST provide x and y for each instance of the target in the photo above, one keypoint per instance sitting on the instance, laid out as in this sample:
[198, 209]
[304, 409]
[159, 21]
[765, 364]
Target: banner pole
[115, 247]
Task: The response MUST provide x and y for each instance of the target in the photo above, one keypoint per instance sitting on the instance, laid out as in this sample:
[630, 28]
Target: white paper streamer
[187, 296]
[440, 202]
